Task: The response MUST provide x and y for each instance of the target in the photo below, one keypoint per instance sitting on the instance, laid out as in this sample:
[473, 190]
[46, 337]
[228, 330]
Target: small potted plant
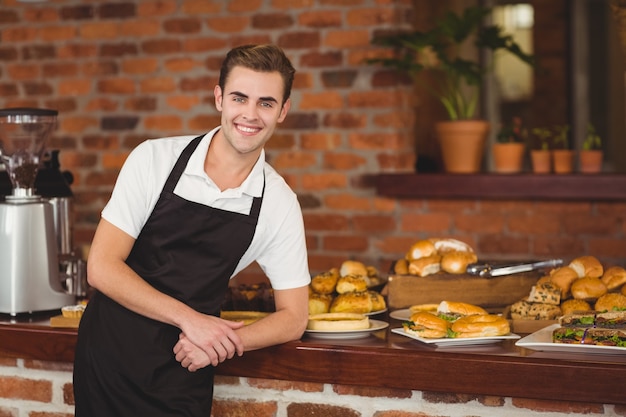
[540, 154]
[591, 154]
[508, 151]
[562, 155]
[458, 78]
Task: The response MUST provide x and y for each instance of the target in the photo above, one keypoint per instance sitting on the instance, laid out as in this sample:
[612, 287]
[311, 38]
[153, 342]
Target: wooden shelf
[510, 187]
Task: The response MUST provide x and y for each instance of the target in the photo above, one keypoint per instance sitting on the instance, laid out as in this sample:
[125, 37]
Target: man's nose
[250, 112]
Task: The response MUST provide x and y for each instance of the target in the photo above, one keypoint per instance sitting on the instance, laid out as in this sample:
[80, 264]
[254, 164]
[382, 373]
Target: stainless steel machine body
[29, 263]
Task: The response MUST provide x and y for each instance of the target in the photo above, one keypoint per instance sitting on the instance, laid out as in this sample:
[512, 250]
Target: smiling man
[187, 214]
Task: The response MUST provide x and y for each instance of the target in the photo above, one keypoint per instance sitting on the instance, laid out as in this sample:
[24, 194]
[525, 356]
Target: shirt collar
[252, 185]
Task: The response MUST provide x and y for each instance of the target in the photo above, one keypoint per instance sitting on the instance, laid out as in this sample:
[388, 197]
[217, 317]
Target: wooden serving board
[530, 326]
[404, 291]
[60, 321]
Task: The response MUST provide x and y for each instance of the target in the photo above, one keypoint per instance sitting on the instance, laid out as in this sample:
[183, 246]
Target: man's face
[251, 107]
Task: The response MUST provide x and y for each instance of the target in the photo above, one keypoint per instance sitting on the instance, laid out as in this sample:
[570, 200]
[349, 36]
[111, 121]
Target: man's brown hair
[263, 58]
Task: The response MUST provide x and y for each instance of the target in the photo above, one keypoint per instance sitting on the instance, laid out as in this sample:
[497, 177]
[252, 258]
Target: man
[186, 215]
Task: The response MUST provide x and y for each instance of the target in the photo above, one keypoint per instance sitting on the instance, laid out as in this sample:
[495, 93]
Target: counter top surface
[385, 359]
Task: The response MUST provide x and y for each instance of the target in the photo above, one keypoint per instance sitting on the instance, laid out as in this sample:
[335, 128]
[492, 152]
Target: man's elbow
[300, 328]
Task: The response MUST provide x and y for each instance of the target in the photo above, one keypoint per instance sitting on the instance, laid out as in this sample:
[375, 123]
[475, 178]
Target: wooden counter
[384, 359]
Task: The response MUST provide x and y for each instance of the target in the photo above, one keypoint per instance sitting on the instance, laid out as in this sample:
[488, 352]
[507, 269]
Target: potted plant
[540, 154]
[457, 86]
[508, 151]
[562, 156]
[590, 156]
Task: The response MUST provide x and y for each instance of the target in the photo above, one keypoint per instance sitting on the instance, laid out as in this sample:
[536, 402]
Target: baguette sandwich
[453, 310]
[425, 324]
[605, 320]
[590, 336]
[592, 328]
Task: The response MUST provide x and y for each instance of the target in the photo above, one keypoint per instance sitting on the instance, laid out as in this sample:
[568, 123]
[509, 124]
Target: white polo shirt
[278, 245]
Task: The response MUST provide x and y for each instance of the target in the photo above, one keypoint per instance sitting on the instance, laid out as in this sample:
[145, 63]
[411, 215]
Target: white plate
[464, 341]
[542, 340]
[375, 325]
[403, 315]
[374, 313]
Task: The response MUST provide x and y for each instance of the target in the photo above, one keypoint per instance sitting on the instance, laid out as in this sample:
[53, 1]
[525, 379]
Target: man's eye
[267, 104]
[239, 99]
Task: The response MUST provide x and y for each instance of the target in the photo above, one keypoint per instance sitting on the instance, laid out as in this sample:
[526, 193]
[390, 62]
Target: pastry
[351, 283]
[353, 302]
[319, 303]
[325, 282]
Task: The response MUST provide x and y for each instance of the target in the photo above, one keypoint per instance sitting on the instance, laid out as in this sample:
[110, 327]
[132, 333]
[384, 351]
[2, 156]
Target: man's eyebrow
[240, 94]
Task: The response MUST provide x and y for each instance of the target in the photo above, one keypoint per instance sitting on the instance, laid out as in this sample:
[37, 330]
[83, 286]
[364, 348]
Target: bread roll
[587, 266]
[319, 303]
[444, 246]
[610, 302]
[351, 283]
[588, 288]
[352, 302]
[573, 305]
[372, 271]
[378, 301]
[338, 322]
[480, 325]
[624, 290]
[614, 277]
[425, 266]
[456, 262]
[355, 268]
[459, 308]
[546, 292]
[428, 325]
[563, 278]
[421, 249]
[325, 282]
[401, 267]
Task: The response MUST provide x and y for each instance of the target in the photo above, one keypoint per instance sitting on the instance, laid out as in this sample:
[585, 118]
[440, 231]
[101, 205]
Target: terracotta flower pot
[508, 158]
[563, 161]
[590, 161]
[541, 161]
[462, 144]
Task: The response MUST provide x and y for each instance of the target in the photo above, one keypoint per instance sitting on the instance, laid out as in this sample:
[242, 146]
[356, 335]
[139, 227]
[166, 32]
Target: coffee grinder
[29, 257]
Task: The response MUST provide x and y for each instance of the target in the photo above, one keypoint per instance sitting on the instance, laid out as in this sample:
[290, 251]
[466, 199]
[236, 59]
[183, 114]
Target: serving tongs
[495, 270]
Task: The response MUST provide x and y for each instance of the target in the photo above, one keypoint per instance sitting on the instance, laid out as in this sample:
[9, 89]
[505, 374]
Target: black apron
[124, 364]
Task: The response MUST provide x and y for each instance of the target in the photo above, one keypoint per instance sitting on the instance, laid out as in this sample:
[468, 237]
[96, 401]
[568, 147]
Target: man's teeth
[247, 129]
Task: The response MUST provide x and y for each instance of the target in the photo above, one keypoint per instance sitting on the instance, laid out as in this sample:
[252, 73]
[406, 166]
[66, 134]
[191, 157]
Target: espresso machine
[31, 268]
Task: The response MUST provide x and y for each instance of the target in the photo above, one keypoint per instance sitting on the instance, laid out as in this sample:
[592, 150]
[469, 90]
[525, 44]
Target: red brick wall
[122, 72]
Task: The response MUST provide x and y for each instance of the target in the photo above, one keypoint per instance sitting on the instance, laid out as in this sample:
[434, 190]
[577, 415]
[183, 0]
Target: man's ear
[217, 91]
[284, 110]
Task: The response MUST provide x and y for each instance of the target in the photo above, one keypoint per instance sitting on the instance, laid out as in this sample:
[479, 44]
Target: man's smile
[247, 129]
